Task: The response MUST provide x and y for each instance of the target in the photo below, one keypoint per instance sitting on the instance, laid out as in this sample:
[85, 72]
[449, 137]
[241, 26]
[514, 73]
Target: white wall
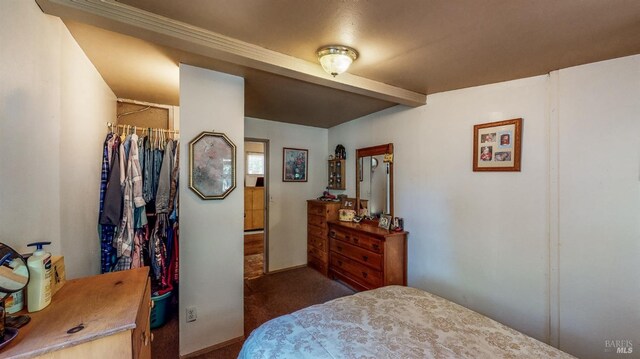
[54, 109]
[486, 240]
[287, 202]
[599, 222]
[211, 232]
[87, 104]
[478, 239]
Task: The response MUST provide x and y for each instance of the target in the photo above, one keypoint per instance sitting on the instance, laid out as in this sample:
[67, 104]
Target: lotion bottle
[39, 287]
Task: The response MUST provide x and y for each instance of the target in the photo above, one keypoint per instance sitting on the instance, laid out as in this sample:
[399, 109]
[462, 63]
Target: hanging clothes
[140, 176]
[112, 203]
[112, 211]
[147, 181]
[132, 193]
[173, 192]
[174, 266]
[158, 250]
[164, 180]
[105, 247]
[139, 240]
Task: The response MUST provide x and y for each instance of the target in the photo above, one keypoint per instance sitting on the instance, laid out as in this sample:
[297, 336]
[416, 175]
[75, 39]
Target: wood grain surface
[104, 305]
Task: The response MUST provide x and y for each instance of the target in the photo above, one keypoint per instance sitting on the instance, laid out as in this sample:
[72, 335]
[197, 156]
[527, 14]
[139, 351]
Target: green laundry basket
[159, 310]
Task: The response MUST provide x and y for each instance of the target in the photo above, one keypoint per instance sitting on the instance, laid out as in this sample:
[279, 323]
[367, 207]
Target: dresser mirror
[374, 180]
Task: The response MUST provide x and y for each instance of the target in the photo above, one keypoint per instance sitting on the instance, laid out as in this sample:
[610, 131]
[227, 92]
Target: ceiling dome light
[336, 59]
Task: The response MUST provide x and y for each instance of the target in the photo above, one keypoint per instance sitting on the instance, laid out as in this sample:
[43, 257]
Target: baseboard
[287, 269]
[212, 348]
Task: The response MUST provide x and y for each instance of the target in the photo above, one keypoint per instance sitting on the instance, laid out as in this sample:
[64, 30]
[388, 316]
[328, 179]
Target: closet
[138, 212]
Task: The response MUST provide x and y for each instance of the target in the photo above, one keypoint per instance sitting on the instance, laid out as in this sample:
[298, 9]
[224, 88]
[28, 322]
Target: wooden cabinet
[253, 208]
[336, 178]
[318, 214]
[104, 316]
[365, 256]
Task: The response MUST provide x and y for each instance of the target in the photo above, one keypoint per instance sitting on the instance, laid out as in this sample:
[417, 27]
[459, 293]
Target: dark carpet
[265, 298]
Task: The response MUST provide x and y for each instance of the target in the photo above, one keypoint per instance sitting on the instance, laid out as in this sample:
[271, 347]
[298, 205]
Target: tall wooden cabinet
[253, 208]
[104, 316]
[366, 256]
[318, 214]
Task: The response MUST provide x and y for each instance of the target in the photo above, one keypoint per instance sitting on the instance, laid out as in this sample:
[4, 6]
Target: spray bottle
[39, 287]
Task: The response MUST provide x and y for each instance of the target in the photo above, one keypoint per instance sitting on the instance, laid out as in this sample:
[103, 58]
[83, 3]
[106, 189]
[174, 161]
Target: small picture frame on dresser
[385, 221]
[348, 203]
[398, 224]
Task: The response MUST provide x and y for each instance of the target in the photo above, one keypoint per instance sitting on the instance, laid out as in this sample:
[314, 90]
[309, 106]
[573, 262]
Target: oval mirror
[14, 274]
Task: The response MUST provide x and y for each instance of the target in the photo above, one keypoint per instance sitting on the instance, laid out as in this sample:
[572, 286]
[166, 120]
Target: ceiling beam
[132, 21]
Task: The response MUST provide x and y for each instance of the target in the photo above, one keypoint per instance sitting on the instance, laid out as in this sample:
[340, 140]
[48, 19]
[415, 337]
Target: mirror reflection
[14, 274]
[374, 184]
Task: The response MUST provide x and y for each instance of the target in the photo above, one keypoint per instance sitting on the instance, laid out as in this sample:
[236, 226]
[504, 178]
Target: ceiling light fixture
[336, 59]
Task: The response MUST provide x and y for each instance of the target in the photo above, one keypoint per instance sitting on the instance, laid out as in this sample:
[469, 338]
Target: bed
[391, 322]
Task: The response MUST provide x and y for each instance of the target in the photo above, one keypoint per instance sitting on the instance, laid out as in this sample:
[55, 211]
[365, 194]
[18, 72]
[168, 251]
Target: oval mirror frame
[386, 149]
[14, 273]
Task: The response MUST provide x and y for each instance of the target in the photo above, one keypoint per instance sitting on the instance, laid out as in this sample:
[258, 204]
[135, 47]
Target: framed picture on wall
[497, 146]
[295, 164]
[212, 165]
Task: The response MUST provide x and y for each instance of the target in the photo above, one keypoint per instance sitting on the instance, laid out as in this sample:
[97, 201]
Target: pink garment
[140, 237]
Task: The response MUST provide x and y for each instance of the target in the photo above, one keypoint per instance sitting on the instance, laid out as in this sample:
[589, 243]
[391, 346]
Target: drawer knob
[340, 263]
[355, 240]
[332, 234]
[365, 258]
[339, 249]
[347, 237]
[364, 274]
[376, 247]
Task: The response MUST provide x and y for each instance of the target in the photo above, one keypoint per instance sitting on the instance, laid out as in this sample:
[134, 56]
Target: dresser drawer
[355, 270]
[320, 232]
[141, 336]
[317, 264]
[316, 242]
[359, 254]
[357, 239]
[319, 209]
[318, 221]
[320, 254]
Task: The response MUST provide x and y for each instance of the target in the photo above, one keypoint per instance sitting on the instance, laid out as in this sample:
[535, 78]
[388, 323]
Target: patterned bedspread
[391, 322]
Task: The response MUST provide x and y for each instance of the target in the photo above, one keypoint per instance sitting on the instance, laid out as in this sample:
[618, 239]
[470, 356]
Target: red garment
[173, 272]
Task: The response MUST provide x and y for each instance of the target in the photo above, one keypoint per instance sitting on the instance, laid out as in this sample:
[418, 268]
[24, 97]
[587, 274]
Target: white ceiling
[407, 48]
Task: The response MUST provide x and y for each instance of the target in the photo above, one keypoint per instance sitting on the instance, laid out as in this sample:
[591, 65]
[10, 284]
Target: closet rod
[138, 128]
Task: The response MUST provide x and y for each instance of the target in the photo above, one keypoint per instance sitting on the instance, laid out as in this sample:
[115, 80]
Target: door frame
[265, 243]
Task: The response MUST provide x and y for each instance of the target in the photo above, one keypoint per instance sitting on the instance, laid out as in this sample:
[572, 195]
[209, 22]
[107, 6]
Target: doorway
[256, 208]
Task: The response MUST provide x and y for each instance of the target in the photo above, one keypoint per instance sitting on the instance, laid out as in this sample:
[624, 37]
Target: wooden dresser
[318, 214]
[365, 256]
[104, 316]
[253, 208]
